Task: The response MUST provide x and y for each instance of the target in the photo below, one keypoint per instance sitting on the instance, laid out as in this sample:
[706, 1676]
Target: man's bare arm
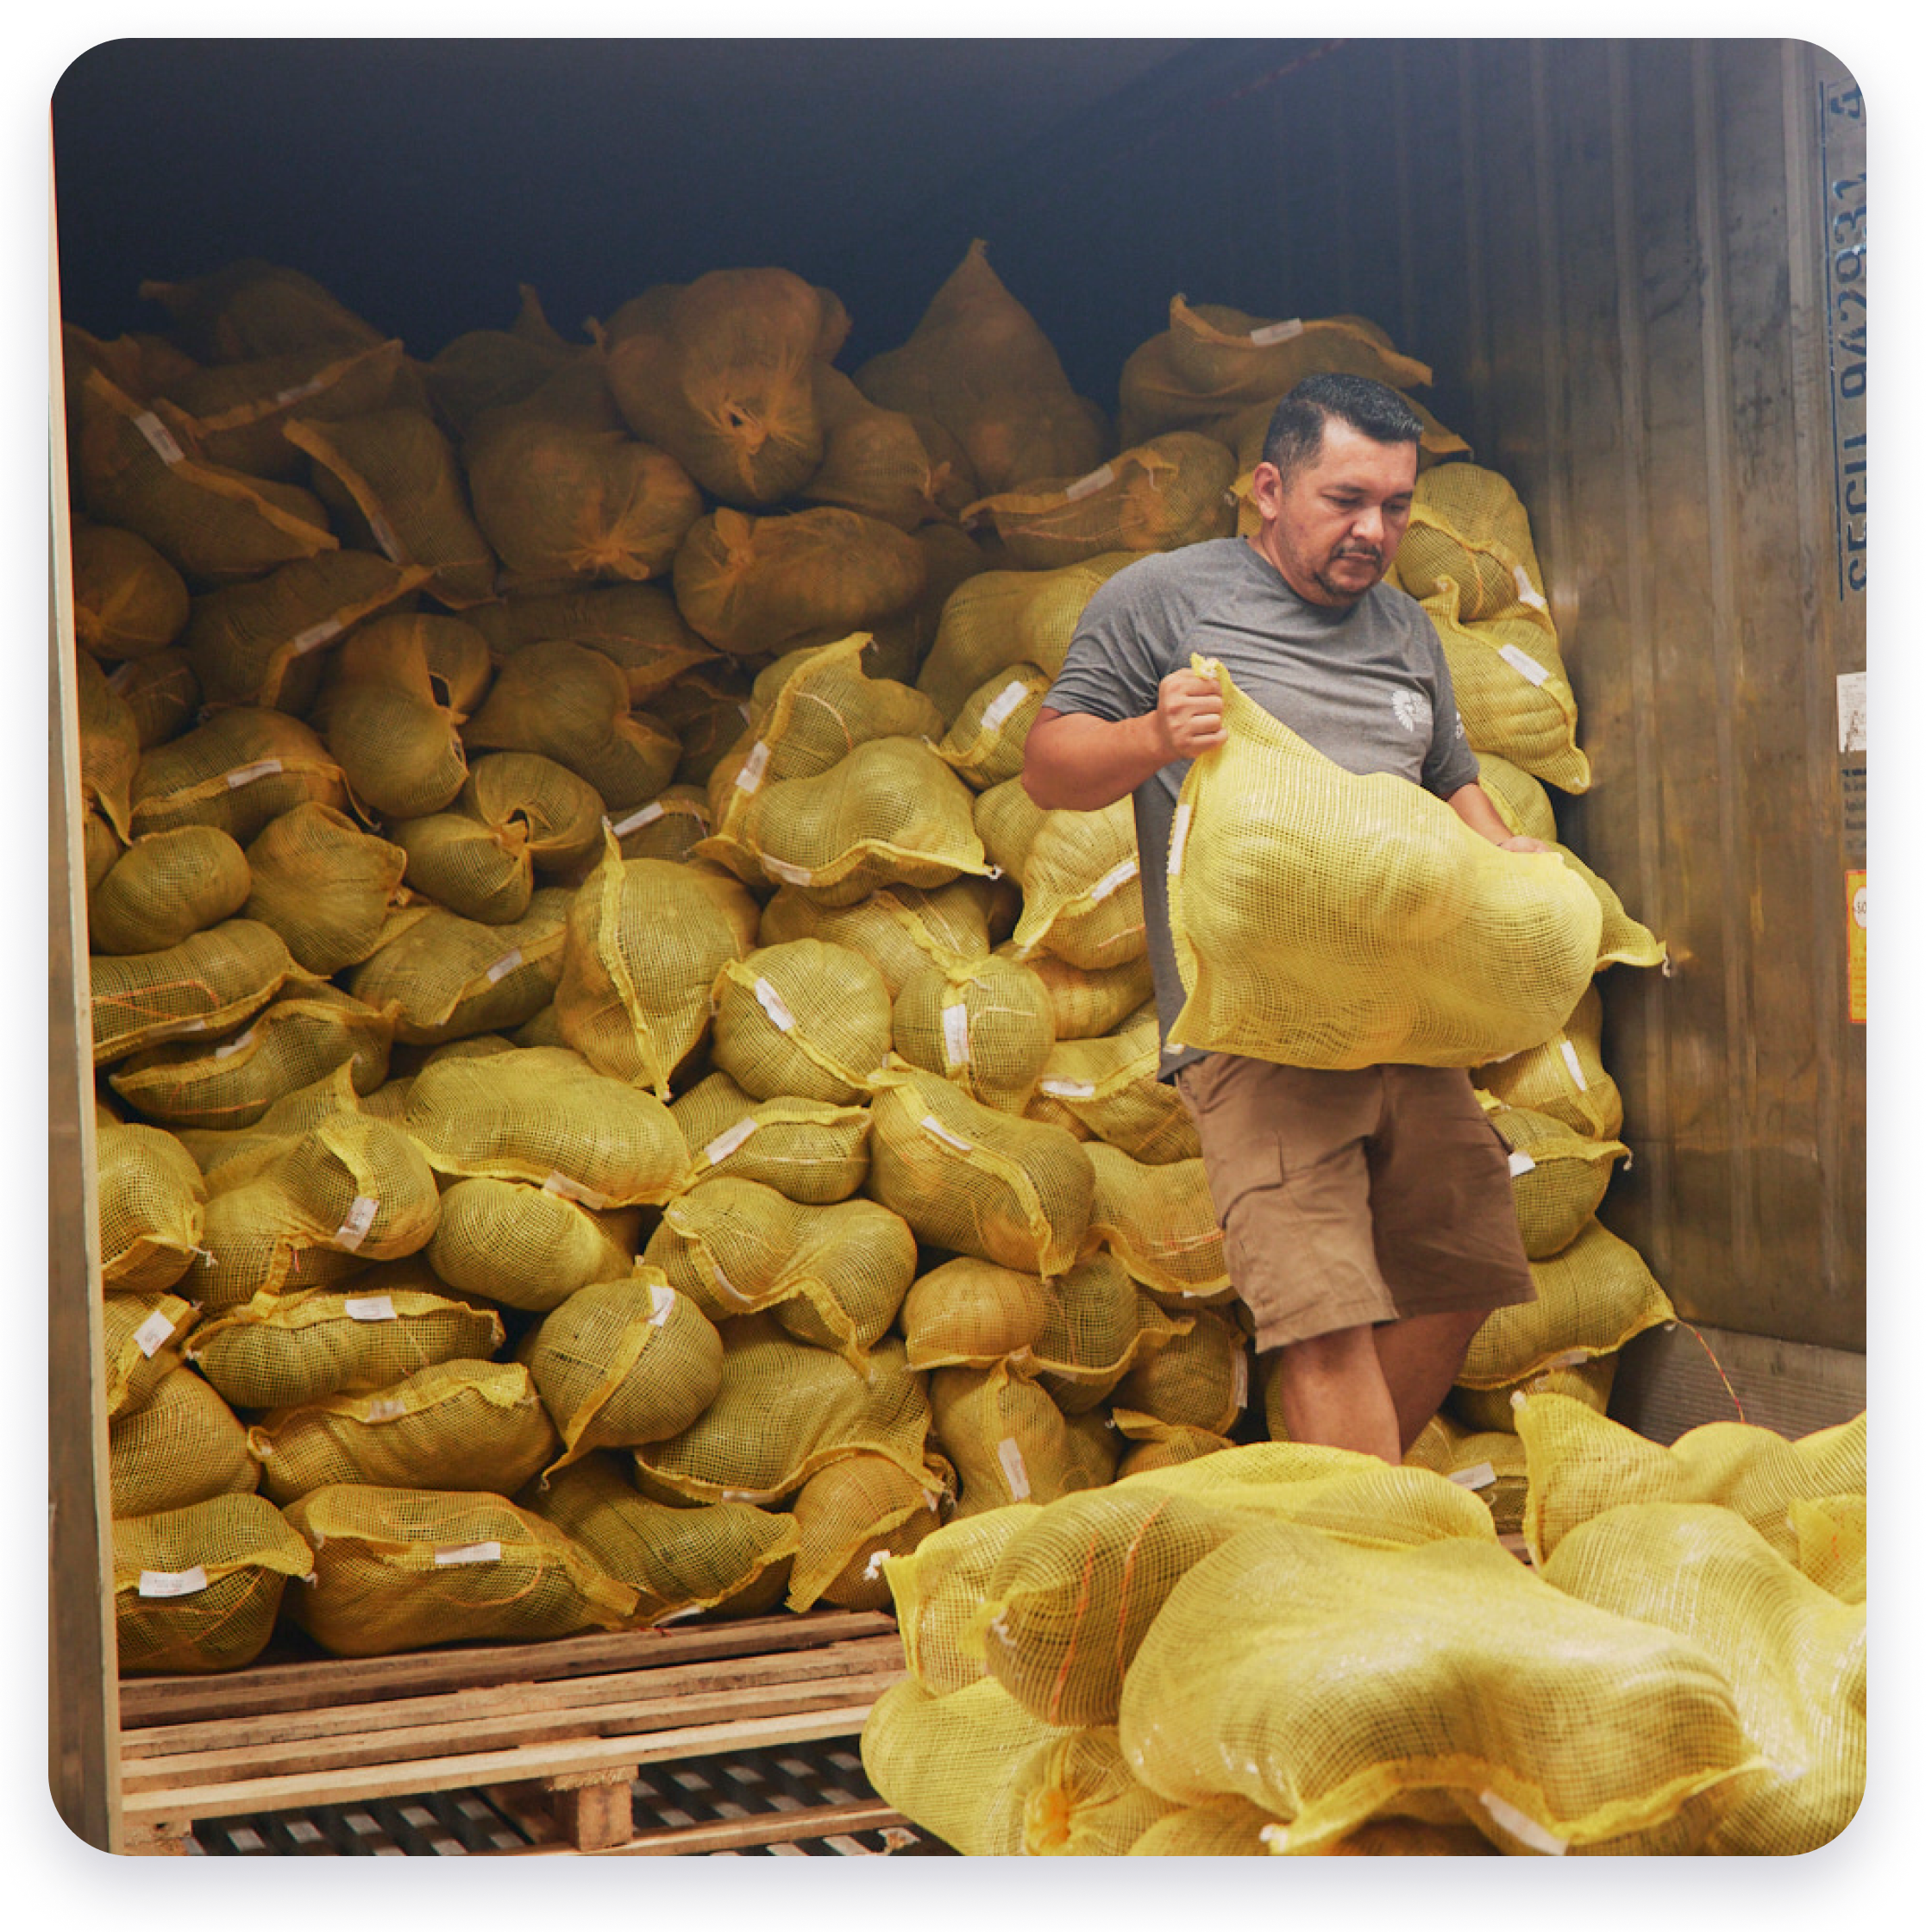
[1077, 762]
[1471, 804]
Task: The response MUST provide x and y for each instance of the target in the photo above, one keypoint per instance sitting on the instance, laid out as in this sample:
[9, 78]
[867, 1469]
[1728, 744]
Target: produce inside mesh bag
[1099, 1329]
[1548, 1724]
[523, 1246]
[399, 1568]
[637, 626]
[984, 1024]
[1492, 1465]
[129, 601]
[853, 1516]
[1794, 1655]
[162, 692]
[197, 1588]
[326, 886]
[459, 1425]
[240, 770]
[901, 929]
[1563, 1077]
[211, 982]
[1159, 1221]
[807, 1019]
[904, 470]
[1558, 1177]
[1106, 1090]
[1589, 1382]
[1005, 1436]
[150, 1201]
[1323, 919]
[140, 1336]
[987, 742]
[810, 1153]
[182, 1446]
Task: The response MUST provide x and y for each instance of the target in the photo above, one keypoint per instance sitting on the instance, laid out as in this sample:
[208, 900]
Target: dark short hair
[1301, 418]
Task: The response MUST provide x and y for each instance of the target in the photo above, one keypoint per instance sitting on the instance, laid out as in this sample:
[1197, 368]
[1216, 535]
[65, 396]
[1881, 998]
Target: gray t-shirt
[1367, 686]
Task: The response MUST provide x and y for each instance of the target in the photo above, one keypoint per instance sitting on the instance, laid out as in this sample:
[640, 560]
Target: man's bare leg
[1334, 1390]
[1419, 1358]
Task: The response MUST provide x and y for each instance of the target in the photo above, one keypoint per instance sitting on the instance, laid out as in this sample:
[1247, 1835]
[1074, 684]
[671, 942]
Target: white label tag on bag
[1276, 332]
[724, 1284]
[952, 1024]
[562, 1184]
[1014, 1465]
[1004, 706]
[1069, 1089]
[246, 774]
[314, 386]
[153, 1332]
[1477, 1475]
[1182, 814]
[1529, 592]
[1575, 1065]
[173, 1583]
[1520, 1826]
[1520, 1164]
[468, 1553]
[379, 529]
[1241, 1379]
[315, 636]
[1111, 882]
[1522, 663]
[356, 1224]
[645, 815]
[731, 1140]
[931, 1123]
[785, 874]
[387, 1408]
[124, 675]
[159, 440]
[773, 1002]
[1570, 1358]
[369, 1308]
[508, 964]
[751, 773]
[1090, 484]
[236, 1045]
[874, 1564]
[662, 1301]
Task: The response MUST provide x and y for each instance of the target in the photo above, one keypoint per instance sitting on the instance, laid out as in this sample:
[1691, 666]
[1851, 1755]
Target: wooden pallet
[573, 1721]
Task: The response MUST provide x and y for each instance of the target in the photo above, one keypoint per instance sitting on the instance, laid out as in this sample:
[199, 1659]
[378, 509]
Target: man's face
[1332, 527]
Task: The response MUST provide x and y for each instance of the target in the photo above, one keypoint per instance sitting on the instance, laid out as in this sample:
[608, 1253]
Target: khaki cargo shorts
[1355, 1196]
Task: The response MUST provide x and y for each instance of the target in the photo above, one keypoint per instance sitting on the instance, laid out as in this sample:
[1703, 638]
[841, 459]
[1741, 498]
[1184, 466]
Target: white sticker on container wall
[246, 774]
[1014, 1465]
[1091, 484]
[153, 1334]
[1520, 661]
[1852, 731]
[356, 1224]
[369, 1308]
[468, 1553]
[1274, 332]
[173, 1583]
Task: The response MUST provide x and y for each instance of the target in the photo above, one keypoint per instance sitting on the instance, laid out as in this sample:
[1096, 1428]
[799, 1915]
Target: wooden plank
[585, 1695]
[364, 1783]
[503, 1731]
[727, 1834]
[335, 1680]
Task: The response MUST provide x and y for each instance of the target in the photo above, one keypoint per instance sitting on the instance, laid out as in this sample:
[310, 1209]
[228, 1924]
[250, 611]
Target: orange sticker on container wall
[1855, 944]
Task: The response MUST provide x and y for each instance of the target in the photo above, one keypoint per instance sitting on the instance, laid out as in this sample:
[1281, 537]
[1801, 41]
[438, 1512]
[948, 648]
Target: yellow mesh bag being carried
[182, 1446]
[129, 601]
[808, 1020]
[399, 1568]
[1582, 1464]
[140, 1337]
[209, 982]
[809, 1153]
[853, 1516]
[1558, 1177]
[984, 1024]
[1831, 1543]
[150, 1198]
[456, 1425]
[166, 888]
[196, 1590]
[237, 772]
[1563, 1077]
[1160, 1222]
[1108, 1086]
[514, 1243]
[987, 743]
[904, 470]
[1793, 1653]
[901, 929]
[1548, 1724]
[1007, 1438]
[1327, 920]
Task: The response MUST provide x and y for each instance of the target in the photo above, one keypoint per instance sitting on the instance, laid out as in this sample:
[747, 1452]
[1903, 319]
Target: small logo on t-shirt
[1409, 708]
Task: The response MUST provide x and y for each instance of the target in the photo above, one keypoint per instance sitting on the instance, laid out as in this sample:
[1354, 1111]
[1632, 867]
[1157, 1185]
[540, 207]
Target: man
[1367, 1212]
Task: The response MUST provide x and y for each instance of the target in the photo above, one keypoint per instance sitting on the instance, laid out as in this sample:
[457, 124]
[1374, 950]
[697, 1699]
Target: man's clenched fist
[1188, 714]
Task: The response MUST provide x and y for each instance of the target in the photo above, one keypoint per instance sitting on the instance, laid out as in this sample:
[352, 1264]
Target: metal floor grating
[787, 1782]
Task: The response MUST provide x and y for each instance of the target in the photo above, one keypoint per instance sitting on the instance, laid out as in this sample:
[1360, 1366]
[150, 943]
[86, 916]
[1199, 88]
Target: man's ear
[1268, 488]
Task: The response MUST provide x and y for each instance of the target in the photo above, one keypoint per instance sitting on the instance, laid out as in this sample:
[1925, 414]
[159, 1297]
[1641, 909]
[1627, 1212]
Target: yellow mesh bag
[294, 1041]
[784, 1410]
[1511, 692]
[807, 1019]
[761, 586]
[1159, 1221]
[719, 371]
[1108, 1086]
[833, 1275]
[571, 704]
[1590, 1298]
[1231, 1829]
[1794, 1655]
[1589, 1382]
[237, 772]
[385, 718]
[450, 976]
[1081, 872]
[732, 1557]
[637, 626]
[951, 1764]
[974, 1181]
[538, 811]
[938, 1590]
[1196, 1377]
[397, 468]
[150, 1198]
[1553, 1725]
[516, 1243]
[809, 1153]
[182, 1446]
[556, 500]
[986, 1025]
[324, 885]
[110, 754]
[1081, 1801]
[987, 744]
[979, 364]
[166, 888]
[1425, 944]
[399, 1568]
[669, 827]
[1831, 1543]
[162, 692]
[1074, 1594]
[973, 1313]
[100, 846]
[141, 1335]
[214, 525]
[900, 644]
[227, 1155]
[1097, 1327]
[259, 643]
[542, 1115]
[708, 709]
[853, 1515]
[1582, 1464]
[999, 618]
[465, 868]
[1005, 1436]
[1087, 1004]
[643, 948]
[253, 308]
[1520, 799]
[280, 1352]
[1469, 533]
[1492, 1465]
[1169, 491]
[901, 929]
[196, 1590]
[1563, 1077]
[483, 368]
[208, 983]
[454, 1425]
[129, 601]
[904, 470]
[1158, 1445]
[1559, 1177]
